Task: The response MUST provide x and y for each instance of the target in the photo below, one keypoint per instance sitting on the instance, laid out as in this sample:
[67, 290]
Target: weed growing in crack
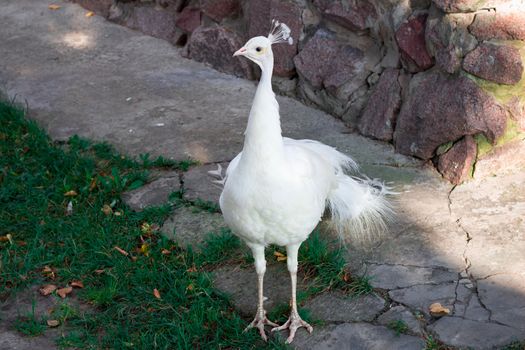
[398, 326]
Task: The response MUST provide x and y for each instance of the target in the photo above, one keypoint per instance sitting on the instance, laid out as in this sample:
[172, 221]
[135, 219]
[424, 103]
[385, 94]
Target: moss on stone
[444, 148]
[501, 92]
[511, 133]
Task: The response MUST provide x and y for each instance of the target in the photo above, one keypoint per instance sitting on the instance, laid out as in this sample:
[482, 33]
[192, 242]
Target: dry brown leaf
[71, 193]
[100, 271]
[90, 14]
[49, 272]
[53, 323]
[156, 293]
[93, 184]
[190, 287]
[134, 258]
[436, 309]
[121, 251]
[47, 289]
[77, 284]
[106, 209]
[54, 7]
[192, 269]
[4, 238]
[64, 291]
[346, 277]
[165, 252]
[281, 258]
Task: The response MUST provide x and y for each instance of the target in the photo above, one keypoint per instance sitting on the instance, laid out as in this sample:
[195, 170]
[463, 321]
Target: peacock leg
[260, 319]
[295, 321]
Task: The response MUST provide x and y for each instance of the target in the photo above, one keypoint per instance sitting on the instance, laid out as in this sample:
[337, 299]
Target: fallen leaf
[280, 256]
[118, 213]
[9, 238]
[49, 272]
[54, 7]
[346, 276]
[156, 293]
[192, 269]
[69, 209]
[93, 184]
[190, 287]
[106, 209]
[145, 228]
[436, 309]
[21, 243]
[165, 252]
[90, 14]
[64, 291]
[71, 193]
[121, 251]
[53, 323]
[134, 258]
[100, 271]
[4, 239]
[144, 249]
[47, 289]
[77, 284]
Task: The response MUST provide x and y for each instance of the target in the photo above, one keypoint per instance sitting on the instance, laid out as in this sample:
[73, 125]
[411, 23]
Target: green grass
[398, 326]
[325, 268]
[35, 174]
[29, 325]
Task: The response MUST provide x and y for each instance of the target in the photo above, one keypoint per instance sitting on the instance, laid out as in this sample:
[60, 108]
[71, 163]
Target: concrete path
[462, 247]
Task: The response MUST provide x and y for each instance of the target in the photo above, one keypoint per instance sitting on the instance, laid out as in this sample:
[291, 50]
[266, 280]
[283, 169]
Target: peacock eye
[258, 49]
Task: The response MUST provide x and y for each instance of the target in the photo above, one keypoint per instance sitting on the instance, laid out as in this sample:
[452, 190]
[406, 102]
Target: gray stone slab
[198, 184]
[420, 297]
[401, 313]
[400, 276]
[492, 211]
[337, 307]
[463, 333]
[504, 296]
[190, 226]
[425, 245]
[12, 340]
[356, 336]
[241, 285]
[154, 193]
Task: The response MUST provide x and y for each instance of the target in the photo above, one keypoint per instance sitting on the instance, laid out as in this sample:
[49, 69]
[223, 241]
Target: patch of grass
[398, 326]
[325, 267]
[29, 325]
[434, 344]
[80, 244]
[162, 162]
[218, 248]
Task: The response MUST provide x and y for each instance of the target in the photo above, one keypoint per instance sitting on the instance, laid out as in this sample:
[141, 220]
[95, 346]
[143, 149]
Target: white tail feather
[359, 208]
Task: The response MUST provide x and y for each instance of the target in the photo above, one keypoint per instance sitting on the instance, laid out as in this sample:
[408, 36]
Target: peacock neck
[263, 141]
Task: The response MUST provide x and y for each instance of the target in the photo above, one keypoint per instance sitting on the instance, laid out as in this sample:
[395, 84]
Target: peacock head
[259, 48]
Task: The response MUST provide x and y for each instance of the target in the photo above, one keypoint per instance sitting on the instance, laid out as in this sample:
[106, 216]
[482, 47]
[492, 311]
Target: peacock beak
[240, 52]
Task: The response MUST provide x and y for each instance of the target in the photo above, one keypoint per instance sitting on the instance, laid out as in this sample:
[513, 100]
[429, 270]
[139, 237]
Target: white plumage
[277, 189]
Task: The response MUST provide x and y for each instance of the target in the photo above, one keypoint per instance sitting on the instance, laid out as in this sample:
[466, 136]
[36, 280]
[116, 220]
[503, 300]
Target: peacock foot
[259, 322]
[294, 322]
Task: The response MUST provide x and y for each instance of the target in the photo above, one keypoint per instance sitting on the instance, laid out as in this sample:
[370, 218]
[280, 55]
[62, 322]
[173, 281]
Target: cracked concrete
[461, 246]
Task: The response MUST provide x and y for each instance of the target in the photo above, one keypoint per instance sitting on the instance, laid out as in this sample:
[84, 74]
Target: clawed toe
[259, 322]
[293, 324]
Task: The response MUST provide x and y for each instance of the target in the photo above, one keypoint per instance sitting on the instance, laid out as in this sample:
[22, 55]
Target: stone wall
[441, 80]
